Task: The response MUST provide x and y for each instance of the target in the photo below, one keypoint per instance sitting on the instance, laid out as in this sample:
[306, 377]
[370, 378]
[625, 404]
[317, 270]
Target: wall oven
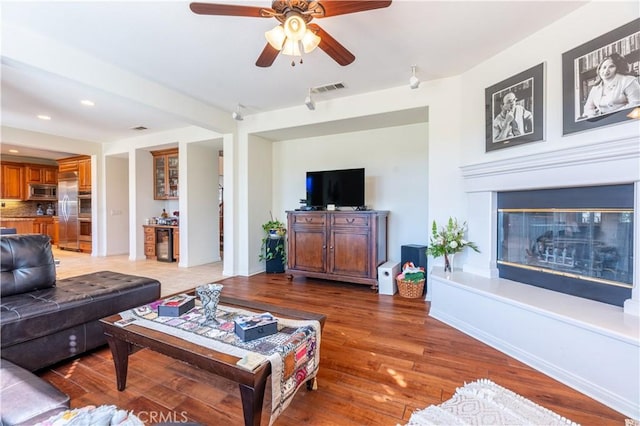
[84, 204]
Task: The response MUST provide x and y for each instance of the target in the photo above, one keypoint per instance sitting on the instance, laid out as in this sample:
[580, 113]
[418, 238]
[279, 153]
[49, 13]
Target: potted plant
[449, 240]
[273, 249]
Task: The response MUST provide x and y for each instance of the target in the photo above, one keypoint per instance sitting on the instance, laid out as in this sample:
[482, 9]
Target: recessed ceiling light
[87, 102]
[14, 151]
[44, 117]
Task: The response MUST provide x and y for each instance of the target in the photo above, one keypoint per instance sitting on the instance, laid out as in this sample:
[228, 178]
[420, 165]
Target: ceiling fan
[295, 34]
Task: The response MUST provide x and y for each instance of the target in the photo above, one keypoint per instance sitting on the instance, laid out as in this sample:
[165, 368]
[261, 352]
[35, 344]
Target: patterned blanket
[294, 351]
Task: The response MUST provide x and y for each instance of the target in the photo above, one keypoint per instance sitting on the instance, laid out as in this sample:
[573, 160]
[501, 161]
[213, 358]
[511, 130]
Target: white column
[482, 229]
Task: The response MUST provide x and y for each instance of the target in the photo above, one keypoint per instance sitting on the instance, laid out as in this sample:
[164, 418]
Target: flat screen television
[344, 188]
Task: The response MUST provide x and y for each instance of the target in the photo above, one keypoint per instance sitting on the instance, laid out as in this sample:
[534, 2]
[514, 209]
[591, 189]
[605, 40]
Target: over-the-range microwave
[42, 192]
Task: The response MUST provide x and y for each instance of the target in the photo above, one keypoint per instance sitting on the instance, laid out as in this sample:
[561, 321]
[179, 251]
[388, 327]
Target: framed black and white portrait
[600, 80]
[514, 110]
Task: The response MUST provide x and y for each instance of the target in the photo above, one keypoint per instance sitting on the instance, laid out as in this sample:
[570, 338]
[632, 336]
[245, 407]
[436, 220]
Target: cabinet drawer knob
[350, 220]
[308, 219]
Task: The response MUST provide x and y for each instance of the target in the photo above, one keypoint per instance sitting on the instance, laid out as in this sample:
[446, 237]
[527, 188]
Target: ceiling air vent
[327, 88]
[139, 128]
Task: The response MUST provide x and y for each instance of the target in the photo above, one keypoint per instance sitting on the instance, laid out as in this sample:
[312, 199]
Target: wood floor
[382, 357]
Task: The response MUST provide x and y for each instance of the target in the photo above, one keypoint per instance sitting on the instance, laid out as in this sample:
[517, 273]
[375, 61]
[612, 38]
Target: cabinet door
[12, 182]
[33, 174]
[176, 243]
[160, 178]
[349, 251]
[307, 246]
[172, 176]
[55, 236]
[149, 242]
[50, 175]
[84, 174]
[67, 166]
[37, 227]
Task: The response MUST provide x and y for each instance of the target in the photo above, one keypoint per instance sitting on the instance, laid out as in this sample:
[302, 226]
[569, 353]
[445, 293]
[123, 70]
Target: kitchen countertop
[162, 226]
[26, 217]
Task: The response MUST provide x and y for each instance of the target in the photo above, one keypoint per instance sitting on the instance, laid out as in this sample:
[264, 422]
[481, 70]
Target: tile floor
[173, 279]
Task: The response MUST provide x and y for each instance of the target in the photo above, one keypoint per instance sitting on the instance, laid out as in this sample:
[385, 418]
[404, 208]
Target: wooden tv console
[337, 245]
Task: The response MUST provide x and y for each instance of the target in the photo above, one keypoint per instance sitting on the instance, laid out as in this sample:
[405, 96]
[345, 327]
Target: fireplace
[577, 241]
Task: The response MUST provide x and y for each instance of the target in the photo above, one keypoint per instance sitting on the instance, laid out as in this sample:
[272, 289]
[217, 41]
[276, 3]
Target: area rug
[486, 403]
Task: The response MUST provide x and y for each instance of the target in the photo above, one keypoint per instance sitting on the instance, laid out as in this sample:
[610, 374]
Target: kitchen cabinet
[80, 164]
[165, 174]
[340, 245]
[55, 236]
[84, 174]
[68, 165]
[36, 173]
[176, 243]
[12, 183]
[150, 240]
[44, 225]
[22, 225]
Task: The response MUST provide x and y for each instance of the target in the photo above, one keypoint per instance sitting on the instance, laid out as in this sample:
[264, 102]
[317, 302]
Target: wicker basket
[410, 289]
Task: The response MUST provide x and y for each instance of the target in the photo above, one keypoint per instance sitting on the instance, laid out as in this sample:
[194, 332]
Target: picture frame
[514, 109]
[584, 96]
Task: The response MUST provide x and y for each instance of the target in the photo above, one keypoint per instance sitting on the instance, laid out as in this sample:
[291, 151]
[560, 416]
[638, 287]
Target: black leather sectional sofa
[44, 320]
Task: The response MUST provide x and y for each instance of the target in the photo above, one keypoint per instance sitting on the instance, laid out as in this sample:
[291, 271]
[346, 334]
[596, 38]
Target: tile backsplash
[10, 208]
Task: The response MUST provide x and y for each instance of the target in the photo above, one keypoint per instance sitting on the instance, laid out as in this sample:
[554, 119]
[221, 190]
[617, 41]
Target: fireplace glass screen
[594, 245]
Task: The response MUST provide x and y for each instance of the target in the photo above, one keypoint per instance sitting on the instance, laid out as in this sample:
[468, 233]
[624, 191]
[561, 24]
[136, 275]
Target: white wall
[259, 195]
[117, 206]
[394, 160]
[199, 225]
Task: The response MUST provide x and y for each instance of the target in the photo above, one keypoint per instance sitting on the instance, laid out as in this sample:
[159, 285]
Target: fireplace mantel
[598, 163]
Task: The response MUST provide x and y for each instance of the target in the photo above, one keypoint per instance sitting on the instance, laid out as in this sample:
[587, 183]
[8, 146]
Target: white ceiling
[211, 59]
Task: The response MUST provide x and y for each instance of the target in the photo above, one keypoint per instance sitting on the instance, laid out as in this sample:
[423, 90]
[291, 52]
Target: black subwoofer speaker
[414, 253]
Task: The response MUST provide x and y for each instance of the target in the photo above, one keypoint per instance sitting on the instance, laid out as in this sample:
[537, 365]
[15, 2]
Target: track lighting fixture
[236, 114]
[414, 82]
[309, 102]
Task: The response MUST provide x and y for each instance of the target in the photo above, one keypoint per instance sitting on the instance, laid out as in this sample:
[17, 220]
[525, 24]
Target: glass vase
[209, 295]
[448, 262]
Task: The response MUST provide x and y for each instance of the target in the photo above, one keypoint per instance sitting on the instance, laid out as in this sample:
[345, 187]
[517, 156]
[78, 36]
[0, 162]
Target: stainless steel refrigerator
[68, 211]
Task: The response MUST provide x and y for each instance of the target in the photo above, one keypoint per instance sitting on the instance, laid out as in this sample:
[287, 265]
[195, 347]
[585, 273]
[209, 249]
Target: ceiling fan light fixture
[276, 37]
[291, 47]
[310, 41]
[295, 27]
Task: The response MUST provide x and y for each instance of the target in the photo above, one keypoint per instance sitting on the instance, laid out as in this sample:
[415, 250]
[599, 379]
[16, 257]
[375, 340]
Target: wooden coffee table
[124, 340]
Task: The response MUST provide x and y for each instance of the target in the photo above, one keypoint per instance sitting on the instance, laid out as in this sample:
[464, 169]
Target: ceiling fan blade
[342, 7]
[267, 56]
[331, 46]
[230, 10]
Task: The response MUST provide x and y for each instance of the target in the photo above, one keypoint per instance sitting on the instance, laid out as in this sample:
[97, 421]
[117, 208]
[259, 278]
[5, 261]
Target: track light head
[414, 81]
[236, 114]
[308, 101]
